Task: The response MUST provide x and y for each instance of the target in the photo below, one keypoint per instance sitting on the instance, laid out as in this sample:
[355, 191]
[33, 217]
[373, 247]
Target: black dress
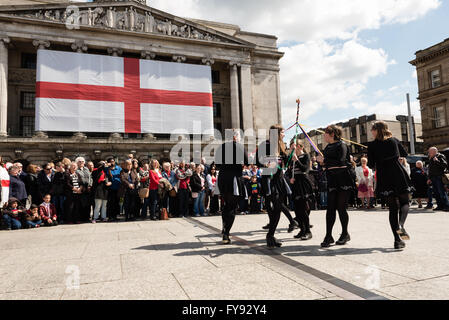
[419, 180]
[338, 155]
[273, 180]
[230, 168]
[392, 179]
[302, 188]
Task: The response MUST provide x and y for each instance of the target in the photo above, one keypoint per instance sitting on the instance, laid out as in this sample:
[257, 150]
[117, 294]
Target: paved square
[183, 259]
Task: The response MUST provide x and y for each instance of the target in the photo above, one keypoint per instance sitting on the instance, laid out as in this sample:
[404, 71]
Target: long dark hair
[280, 143]
[383, 133]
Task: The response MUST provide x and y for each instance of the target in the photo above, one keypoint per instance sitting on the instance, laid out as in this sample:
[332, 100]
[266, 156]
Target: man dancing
[230, 158]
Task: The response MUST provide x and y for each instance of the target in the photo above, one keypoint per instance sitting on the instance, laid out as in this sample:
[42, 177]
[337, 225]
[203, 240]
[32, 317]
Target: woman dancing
[393, 181]
[339, 182]
[302, 189]
[274, 186]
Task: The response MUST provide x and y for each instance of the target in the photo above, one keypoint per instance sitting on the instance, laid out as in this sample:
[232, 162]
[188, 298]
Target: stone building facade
[359, 130]
[245, 71]
[432, 66]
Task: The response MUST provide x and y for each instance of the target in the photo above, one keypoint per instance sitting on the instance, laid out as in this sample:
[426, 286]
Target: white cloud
[328, 66]
[302, 20]
[326, 76]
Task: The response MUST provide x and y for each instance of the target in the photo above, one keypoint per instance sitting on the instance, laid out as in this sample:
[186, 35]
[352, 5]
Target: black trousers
[183, 202]
[113, 206]
[72, 208]
[229, 211]
[302, 211]
[214, 204]
[399, 208]
[275, 203]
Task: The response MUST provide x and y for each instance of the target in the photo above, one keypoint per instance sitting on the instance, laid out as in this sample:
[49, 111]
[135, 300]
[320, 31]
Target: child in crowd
[12, 214]
[254, 198]
[47, 211]
[32, 217]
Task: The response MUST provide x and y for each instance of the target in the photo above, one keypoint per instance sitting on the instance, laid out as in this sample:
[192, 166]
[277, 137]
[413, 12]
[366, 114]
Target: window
[29, 60]
[363, 129]
[215, 76]
[27, 124]
[439, 117]
[353, 132]
[435, 78]
[404, 129]
[27, 100]
[217, 110]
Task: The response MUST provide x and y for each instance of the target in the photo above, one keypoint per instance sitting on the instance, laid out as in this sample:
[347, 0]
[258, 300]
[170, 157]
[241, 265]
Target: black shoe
[429, 207]
[266, 227]
[272, 242]
[438, 209]
[403, 234]
[226, 239]
[327, 242]
[399, 245]
[343, 240]
[293, 226]
[300, 235]
[307, 236]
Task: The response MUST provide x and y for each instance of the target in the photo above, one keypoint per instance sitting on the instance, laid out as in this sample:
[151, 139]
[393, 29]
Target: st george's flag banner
[77, 92]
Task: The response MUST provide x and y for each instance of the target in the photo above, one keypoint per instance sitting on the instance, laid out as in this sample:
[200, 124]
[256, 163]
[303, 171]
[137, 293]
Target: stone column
[115, 52]
[4, 86]
[247, 96]
[41, 45]
[235, 100]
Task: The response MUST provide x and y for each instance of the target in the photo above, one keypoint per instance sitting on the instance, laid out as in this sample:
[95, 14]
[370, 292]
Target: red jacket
[45, 215]
[154, 179]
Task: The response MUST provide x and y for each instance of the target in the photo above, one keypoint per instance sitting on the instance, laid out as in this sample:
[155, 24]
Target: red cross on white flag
[92, 93]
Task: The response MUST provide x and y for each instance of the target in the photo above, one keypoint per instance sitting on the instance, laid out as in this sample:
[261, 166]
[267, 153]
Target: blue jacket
[114, 177]
[17, 188]
[172, 178]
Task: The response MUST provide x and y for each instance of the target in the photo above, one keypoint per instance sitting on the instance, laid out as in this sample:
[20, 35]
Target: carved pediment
[129, 15]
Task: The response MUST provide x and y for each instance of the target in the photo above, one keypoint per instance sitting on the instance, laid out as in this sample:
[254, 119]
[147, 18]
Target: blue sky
[400, 42]
[343, 58]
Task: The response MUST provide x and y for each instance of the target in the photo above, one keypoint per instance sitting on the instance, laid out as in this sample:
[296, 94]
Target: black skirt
[392, 179]
[340, 180]
[275, 185]
[302, 188]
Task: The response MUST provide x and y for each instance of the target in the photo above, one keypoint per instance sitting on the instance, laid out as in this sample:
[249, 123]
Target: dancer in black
[393, 181]
[230, 158]
[274, 186]
[302, 189]
[340, 183]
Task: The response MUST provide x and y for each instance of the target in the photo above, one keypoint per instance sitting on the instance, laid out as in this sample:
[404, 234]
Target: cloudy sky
[343, 58]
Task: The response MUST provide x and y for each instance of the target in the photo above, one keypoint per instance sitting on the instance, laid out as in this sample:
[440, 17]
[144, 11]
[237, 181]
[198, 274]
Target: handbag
[172, 193]
[144, 193]
[164, 214]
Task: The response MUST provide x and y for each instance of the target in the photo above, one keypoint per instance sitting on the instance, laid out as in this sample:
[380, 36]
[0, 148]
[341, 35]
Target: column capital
[148, 55]
[79, 46]
[234, 64]
[115, 52]
[179, 58]
[208, 61]
[41, 44]
[4, 39]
